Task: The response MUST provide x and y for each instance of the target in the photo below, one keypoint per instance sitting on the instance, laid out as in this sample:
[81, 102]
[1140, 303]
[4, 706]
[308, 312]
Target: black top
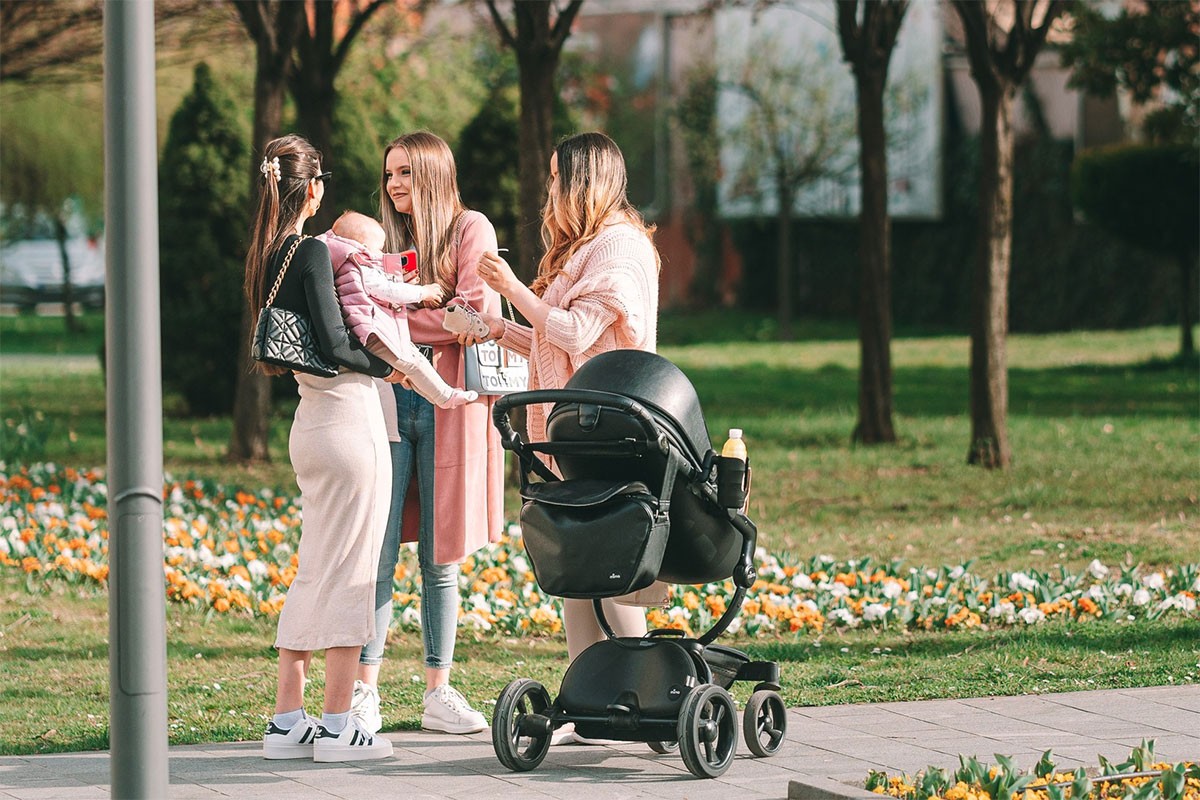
[307, 288]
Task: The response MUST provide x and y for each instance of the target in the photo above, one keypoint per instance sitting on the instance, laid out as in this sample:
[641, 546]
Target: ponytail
[289, 164]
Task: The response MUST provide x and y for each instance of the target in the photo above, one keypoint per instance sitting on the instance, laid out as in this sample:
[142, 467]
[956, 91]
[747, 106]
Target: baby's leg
[421, 373]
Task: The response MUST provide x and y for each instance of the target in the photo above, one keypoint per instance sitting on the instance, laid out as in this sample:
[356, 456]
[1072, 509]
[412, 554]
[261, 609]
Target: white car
[31, 272]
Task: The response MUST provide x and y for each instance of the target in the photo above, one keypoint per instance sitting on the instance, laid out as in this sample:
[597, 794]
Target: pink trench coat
[468, 459]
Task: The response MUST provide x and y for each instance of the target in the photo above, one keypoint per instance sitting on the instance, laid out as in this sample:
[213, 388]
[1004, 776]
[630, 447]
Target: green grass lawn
[30, 333]
[1104, 429]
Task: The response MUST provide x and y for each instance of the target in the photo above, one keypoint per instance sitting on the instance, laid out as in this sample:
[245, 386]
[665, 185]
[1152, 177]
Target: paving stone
[811, 787]
[1183, 696]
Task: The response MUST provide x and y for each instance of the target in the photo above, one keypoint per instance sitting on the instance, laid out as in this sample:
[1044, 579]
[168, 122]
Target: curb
[808, 787]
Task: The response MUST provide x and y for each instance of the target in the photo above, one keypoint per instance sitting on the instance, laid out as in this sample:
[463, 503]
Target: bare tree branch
[51, 42]
[356, 26]
[506, 34]
[562, 26]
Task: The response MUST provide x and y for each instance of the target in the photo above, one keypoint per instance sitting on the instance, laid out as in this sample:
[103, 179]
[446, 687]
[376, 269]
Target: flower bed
[1140, 777]
[234, 552]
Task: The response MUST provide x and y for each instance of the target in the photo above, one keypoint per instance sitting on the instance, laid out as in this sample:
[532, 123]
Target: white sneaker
[563, 734]
[447, 711]
[296, 742]
[352, 744]
[364, 705]
[577, 739]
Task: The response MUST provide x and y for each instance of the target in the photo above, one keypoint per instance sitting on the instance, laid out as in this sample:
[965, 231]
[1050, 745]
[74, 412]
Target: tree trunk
[534, 139]
[783, 280]
[312, 79]
[989, 313]
[68, 287]
[315, 96]
[252, 396]
[875, 280]
[1187, 293]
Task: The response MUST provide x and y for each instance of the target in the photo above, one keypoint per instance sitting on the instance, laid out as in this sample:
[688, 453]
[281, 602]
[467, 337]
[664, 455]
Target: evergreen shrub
[202, 232]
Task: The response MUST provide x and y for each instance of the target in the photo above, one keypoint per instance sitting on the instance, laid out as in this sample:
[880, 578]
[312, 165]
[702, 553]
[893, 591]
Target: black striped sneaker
[296, 742]
[352, 744]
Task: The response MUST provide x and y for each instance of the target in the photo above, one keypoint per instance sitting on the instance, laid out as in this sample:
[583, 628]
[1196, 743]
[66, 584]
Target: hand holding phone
[399, 263]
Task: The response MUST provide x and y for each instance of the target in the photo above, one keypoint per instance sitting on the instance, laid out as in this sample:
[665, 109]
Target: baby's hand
[432, 294]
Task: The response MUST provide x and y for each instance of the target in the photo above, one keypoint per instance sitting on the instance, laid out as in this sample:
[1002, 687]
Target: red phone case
[400, 262]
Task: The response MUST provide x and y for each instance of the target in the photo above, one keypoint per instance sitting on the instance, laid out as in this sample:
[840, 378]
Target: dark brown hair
[279, 206]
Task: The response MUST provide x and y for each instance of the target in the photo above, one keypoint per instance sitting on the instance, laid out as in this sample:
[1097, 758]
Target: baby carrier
[642, 496]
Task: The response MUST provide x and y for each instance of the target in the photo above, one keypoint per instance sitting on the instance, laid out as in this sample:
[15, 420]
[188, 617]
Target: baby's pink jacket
[363, 315]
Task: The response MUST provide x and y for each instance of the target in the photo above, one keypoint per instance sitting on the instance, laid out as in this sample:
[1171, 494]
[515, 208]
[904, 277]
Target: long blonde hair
[589, 193]
[436, 208]
[278, 208]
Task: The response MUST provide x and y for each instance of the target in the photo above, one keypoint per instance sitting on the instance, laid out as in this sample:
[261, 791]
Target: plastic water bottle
[735, 445]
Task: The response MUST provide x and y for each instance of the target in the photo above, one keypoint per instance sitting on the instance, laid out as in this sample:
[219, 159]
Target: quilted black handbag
[285, 338]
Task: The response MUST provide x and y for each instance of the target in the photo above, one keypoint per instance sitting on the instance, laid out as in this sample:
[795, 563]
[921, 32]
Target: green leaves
[1045, 766]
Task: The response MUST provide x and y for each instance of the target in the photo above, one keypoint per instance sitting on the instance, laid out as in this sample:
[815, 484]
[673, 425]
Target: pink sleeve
[517, 337]
[478, 235]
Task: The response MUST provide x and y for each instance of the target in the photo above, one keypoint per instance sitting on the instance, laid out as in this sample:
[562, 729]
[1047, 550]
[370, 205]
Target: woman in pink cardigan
[458, 485]
[596, 291]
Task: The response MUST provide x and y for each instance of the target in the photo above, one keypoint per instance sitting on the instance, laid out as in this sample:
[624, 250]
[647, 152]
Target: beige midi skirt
[339, 450]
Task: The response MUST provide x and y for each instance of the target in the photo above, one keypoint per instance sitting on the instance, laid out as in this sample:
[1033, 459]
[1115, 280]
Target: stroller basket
[590, 538]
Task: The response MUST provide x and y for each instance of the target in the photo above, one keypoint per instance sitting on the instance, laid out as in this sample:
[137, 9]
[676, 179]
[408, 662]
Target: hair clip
[271, 168]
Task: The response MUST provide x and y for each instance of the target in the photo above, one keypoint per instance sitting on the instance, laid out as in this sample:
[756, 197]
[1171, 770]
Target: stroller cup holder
[635, 473]
[733, 482]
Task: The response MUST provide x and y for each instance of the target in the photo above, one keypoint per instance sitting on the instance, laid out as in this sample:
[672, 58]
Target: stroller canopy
[656, 383]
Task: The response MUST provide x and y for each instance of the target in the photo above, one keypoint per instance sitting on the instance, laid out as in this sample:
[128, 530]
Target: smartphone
[400, 262]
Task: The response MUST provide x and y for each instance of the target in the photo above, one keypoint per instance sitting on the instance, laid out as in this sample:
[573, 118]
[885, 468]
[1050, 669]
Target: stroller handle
[511, 440]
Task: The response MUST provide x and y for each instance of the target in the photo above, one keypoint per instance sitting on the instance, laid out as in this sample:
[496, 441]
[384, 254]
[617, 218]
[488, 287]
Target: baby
[364, 290]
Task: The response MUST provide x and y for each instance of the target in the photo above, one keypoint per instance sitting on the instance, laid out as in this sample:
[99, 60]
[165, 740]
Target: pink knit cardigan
[605, 299]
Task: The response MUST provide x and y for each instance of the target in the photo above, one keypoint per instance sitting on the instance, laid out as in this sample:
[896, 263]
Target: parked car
[31, 272]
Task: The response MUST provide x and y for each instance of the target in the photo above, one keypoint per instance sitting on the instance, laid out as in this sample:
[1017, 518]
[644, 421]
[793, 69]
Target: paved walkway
[838, 742]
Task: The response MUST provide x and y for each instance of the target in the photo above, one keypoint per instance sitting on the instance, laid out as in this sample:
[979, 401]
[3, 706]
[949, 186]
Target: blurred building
[644, 56]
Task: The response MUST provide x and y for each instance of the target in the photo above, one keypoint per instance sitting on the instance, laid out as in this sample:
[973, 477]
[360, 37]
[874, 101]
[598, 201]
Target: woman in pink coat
[458, 486]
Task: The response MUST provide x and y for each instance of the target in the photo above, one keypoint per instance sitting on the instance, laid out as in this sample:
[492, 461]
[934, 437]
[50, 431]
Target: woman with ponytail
[339, 450]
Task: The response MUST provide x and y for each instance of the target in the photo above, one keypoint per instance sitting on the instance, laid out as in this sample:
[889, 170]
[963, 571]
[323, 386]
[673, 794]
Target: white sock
[288, 719]
[335, 723]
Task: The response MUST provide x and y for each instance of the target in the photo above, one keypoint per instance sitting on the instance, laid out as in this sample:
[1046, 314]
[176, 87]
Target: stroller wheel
[663, 748]
[707, 731]
[519, 748]
[764, 723]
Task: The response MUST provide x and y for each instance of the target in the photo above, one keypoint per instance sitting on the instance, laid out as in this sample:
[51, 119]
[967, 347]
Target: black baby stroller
[642, 497]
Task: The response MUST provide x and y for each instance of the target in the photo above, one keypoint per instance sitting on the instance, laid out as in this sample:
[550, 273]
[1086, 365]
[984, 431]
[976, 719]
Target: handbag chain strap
[457, 241]
[287, 260]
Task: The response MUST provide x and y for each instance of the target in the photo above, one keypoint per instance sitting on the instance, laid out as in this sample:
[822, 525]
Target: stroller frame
[604, 692]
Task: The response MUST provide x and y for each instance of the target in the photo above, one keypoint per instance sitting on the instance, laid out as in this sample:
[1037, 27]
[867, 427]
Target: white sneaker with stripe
[352, 744]
[296, 742]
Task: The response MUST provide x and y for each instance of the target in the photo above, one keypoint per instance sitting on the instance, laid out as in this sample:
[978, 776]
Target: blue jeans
[439, 582]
